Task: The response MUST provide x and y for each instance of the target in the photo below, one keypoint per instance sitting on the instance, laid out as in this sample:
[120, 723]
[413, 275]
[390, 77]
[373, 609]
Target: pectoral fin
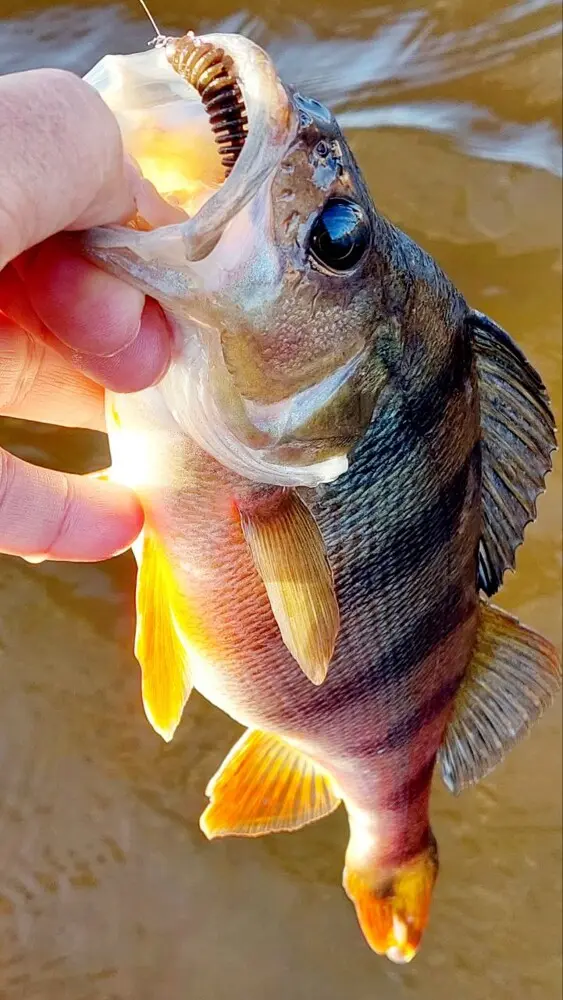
[289, 553]
[518, 437]
[264, 786]
[513, 678]
[166, 681]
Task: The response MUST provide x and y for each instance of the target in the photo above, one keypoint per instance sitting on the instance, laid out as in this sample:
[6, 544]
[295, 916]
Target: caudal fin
[393, 906]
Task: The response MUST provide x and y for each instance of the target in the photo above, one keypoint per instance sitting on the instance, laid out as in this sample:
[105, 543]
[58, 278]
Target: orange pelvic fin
[289, 553]
[393, 907]
[166, 681]
[264, 786]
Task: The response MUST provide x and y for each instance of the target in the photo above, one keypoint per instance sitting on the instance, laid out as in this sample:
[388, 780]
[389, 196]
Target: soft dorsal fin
[166, 679]
[265, 785]
[518, 437]
[513, 677]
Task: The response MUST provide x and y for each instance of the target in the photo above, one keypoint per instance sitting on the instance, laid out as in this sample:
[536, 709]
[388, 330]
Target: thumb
[62, 163]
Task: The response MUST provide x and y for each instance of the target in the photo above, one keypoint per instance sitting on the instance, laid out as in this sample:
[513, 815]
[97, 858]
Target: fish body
[343, 621]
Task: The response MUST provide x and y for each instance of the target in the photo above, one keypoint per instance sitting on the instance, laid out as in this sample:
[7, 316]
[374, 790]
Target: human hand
[67, 330]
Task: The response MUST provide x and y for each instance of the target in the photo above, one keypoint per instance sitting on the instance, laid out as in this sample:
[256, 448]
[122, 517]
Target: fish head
[295, 295]
[271, 286]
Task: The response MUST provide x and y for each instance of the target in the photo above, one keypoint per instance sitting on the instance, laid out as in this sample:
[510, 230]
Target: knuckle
[21, 357]
[64, 519]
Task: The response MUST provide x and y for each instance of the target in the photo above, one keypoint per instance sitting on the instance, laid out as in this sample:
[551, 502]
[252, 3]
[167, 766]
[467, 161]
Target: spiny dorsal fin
[518, 437]
[166, 680]
[289, 554]
[513, 677]
[265, 785]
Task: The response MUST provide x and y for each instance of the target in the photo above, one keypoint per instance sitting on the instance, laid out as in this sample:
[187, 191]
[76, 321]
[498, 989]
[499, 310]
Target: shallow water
[108, 891]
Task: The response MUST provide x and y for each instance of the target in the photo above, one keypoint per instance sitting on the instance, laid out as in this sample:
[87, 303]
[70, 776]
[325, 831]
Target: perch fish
[336, 472]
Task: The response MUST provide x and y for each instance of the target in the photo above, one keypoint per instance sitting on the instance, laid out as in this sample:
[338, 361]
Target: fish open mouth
[206, 118]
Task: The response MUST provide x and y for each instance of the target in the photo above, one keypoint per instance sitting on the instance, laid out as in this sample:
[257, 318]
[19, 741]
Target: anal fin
[513, 677]
[166, 681]
[264, 786]
[289, 553]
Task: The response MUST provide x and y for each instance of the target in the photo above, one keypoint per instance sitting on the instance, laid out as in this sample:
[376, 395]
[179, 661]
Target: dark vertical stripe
[413, 641]
[404, 732]
[429, 525]
[409, 791]
[426, 405]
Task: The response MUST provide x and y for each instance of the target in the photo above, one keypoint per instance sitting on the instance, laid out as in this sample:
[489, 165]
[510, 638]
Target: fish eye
[339, 237]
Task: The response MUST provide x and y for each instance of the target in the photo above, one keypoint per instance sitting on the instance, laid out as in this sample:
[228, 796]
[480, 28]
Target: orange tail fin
[393, 907]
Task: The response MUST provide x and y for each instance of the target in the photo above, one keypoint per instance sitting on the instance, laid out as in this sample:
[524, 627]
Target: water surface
[108, 891]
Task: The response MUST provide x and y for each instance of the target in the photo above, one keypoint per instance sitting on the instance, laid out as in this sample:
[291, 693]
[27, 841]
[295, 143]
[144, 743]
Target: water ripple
[476, 131]
[364, 80]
